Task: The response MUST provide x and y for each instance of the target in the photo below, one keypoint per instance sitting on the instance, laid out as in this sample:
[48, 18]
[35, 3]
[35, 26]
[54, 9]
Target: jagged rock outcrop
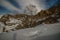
[21, 21]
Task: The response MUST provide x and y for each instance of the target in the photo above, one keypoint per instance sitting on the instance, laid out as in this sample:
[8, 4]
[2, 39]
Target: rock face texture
[21, 21]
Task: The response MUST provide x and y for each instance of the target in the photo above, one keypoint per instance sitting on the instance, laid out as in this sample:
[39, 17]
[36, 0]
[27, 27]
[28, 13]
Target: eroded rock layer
[10, 22]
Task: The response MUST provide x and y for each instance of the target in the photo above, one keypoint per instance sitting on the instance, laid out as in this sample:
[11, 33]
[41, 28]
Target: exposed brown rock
[50, 20]
[5, 18]
[55, 8]
[49, 16]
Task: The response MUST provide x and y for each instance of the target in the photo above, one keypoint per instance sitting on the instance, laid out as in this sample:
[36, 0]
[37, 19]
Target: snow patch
[15, 21]
[1, 27]
[10, 27]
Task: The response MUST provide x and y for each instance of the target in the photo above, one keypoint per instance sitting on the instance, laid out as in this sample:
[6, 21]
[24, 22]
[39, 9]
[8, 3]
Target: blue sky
[48, 3]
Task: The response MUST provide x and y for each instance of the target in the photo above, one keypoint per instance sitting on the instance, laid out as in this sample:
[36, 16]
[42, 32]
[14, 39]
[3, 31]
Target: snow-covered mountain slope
[22, 21]
[33, 33]
[14, 23]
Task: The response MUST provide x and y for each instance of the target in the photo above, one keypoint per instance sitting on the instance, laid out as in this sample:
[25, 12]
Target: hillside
[10, 22]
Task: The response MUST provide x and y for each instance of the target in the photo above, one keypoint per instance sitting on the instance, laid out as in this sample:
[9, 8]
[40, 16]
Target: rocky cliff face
[10, 22]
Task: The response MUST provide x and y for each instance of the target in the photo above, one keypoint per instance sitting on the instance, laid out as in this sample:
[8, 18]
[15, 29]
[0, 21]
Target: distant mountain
[9, 22]
[55, 8]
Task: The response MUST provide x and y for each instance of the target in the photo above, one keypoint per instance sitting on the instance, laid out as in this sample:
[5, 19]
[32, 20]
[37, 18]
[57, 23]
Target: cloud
[7, 5]
[14, 3]
[38, 3]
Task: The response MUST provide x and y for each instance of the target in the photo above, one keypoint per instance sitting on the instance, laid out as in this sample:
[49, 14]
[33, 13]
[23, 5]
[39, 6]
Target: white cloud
[38, 3]
[7, 5]
[23, 3]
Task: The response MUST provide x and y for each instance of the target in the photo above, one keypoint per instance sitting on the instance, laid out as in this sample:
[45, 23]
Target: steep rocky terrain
[10, 22]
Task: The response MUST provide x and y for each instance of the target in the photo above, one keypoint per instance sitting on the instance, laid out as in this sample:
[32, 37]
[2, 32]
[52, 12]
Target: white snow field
[40, 32]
